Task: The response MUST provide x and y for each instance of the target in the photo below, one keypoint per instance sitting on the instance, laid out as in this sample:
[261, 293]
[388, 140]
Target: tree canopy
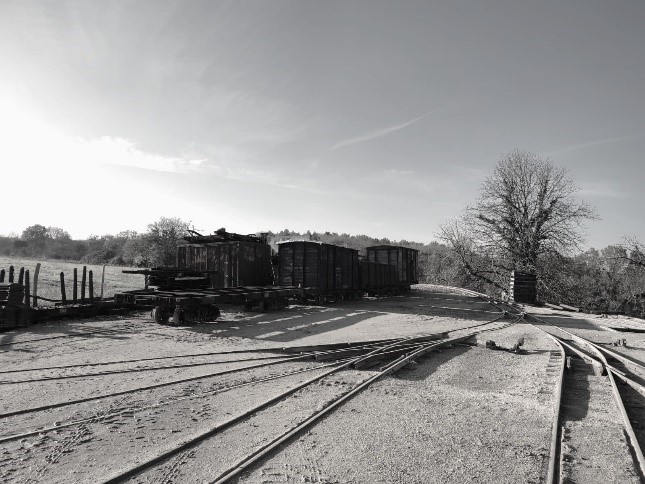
[527, 208]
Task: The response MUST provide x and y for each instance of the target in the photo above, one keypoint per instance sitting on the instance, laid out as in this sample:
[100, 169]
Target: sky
[360, 116]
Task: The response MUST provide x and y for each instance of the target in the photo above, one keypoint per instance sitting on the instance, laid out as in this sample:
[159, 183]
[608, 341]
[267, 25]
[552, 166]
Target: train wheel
[160, 315]
[179, 317]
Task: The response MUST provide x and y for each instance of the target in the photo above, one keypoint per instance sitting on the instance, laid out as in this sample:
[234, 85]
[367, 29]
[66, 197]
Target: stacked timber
[12, 293]
[11, 299]
[523, 287]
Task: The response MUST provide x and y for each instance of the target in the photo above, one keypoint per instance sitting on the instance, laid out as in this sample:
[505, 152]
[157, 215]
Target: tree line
[527, 218]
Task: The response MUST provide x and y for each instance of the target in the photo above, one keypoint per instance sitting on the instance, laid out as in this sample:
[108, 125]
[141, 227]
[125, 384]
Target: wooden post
[63, 296]
[27, 289]
[75, 290]
[83, 283]
[21, 276]
[36, 272]
[1, 275]
[102, 281]
[10, 274]
[91, 286]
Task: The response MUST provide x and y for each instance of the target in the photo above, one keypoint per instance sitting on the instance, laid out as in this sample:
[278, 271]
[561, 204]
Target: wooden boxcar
[404, 260]
[322, 270]
[230, 260]
[377, 278]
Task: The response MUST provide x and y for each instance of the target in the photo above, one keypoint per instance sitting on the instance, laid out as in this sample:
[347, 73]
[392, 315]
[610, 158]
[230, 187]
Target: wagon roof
[391, 247]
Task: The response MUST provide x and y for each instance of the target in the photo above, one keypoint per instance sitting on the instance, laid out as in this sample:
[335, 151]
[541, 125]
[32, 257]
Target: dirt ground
[460, 414]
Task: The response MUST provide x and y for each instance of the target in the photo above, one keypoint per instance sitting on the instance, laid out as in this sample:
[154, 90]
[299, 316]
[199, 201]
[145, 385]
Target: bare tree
[634, 251]
[527, 208]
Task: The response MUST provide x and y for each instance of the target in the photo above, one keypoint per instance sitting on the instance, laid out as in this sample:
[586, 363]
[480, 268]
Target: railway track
[393, 357]
[330, 361]
[141, 360]
[624, 378]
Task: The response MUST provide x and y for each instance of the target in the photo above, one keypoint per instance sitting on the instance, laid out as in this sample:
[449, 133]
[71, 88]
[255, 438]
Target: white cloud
[590, 144]
[378, 133]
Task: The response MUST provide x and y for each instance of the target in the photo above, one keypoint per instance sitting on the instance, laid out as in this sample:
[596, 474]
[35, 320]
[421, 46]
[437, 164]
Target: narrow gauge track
[25, 411]
[83, 334]
[132, 410]
[397, 355]
[139, 360]
[628, 393]
[304, 356]
[135, 370]
[318, 355]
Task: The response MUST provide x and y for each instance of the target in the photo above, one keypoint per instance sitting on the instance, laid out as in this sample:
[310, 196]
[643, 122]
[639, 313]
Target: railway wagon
[377, 278]
[323, 271]
[228, 260]
[404, 260]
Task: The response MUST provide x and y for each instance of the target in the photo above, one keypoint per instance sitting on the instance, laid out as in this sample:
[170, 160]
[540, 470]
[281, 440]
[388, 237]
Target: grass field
[49, 278]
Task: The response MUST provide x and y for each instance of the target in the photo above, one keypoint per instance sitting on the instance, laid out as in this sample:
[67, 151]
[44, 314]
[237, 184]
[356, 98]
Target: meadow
[49, 277]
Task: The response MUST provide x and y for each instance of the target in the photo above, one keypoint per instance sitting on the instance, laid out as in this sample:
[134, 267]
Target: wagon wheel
[160, 315]
[179, 316]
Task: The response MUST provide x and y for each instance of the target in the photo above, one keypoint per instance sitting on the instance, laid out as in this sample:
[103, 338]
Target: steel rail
[228, 423]
[148, 387]
[611, 372]
[135, 370]
[75, 335]
[392, 367]
[132, 410]
[138, 360]
[553, 473]
[397, 364]
[135, 470]
[164, 384]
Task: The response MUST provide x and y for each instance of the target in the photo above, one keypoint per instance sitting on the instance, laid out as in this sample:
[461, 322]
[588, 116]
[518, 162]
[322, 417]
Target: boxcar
[404, 260]
[322, 270]
[230, 260]
[377, 278]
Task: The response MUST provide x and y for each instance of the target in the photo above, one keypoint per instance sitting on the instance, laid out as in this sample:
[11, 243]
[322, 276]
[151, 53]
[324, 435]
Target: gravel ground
[462, 414]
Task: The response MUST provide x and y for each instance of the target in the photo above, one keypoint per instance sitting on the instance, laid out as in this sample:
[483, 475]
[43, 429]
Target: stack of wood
[12, 296]
[523, 287]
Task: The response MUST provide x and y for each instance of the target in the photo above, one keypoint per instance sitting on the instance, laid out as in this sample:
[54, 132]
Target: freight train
[232, 268]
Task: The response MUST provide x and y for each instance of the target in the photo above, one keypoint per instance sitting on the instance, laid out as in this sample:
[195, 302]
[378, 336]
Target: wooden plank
[570, 308]
[35, 291]
[553, 306]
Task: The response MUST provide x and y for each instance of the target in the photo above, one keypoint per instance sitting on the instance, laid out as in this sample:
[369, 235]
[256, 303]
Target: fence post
[36, 272]
[21, 276]
[75, 290]
[91, 286]
[83, 283]
[10, 274]
[27, 289]
[1, 275]
[102, 281]
[63, 296]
